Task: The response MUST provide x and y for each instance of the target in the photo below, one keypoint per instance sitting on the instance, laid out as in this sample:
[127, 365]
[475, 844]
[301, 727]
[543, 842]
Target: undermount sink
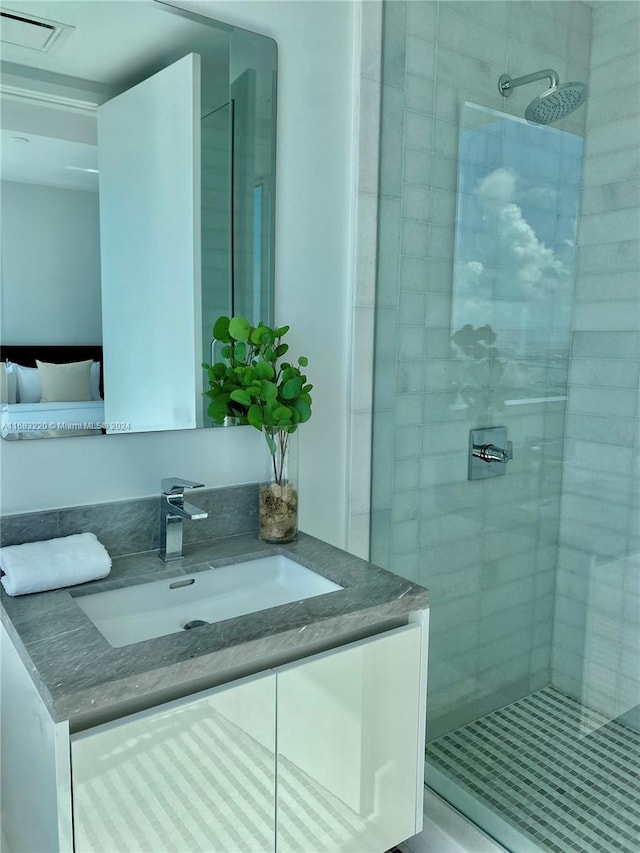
[144, 611]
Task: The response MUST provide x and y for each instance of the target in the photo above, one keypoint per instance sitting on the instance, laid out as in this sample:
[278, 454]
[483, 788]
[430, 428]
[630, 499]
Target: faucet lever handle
[176, 485]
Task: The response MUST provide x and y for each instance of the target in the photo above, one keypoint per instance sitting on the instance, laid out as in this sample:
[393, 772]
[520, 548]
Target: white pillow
[94, 381]
[26, 381]
[8, 382]
[29, 389]
[65, 382]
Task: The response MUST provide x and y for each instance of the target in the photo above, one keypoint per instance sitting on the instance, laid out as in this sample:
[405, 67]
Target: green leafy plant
[253, 385]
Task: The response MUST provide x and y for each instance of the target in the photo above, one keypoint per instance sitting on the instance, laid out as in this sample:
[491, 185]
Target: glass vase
[278, 494]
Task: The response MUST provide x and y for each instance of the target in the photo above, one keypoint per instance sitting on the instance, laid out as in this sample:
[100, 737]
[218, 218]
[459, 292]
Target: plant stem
[275, 468]
[281, 451]
[285, 444]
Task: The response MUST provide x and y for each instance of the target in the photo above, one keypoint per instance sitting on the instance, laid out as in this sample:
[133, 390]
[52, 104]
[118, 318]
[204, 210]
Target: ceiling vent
[31, 32]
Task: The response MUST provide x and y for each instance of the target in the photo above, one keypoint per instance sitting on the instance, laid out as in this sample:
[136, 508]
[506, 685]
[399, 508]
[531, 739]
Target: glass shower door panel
[512, 291]
[512, 297]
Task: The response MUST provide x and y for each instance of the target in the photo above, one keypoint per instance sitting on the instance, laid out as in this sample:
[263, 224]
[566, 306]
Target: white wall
[314, 191]
[50, 265]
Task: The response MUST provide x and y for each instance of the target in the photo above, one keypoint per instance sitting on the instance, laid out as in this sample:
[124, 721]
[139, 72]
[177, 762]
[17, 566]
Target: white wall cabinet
[323, 754]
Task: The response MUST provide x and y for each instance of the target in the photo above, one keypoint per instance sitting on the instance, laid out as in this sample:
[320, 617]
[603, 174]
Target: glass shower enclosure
[507, 297]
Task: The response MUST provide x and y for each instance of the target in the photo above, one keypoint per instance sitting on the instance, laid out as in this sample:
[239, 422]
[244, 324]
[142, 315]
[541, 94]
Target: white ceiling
[115, 42]
[113, 45]
[33, 159]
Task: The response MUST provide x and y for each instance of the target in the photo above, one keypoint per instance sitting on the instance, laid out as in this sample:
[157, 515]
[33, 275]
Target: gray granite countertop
[82, 678]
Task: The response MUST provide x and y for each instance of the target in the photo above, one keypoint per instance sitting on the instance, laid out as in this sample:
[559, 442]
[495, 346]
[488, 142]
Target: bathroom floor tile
[565, 777]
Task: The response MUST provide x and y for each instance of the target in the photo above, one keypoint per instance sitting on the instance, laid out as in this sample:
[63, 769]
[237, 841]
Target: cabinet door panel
[348, 728]
[149, 144]
[193, 775]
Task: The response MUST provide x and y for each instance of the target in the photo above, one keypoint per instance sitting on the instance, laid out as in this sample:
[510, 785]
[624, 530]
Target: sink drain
[195, 623]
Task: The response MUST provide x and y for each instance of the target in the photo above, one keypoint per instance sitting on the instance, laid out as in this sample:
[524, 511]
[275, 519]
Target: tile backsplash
[131, 526]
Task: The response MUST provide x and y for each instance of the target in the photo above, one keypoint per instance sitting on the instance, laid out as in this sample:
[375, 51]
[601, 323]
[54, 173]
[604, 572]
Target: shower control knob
[491, 453]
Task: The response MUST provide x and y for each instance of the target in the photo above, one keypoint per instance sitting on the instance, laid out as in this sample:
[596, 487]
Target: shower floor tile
[566, 779]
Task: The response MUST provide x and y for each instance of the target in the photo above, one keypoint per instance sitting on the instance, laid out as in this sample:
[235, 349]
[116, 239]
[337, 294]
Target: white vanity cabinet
[197, 774]
[349, 728]
[322, 754]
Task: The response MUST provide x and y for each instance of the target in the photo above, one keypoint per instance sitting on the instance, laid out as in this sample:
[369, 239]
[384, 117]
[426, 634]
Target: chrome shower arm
[507, 83]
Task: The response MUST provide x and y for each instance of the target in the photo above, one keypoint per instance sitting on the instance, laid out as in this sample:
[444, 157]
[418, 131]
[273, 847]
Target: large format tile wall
[487, 550]
[597, 617]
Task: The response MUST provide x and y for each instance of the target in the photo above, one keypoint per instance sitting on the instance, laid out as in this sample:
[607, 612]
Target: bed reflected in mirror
[60, 391]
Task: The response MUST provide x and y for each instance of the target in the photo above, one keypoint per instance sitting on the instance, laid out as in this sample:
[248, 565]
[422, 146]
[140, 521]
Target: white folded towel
[37, 566]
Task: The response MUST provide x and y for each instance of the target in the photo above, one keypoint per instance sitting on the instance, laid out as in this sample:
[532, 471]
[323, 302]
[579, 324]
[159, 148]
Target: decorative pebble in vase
[278, 498]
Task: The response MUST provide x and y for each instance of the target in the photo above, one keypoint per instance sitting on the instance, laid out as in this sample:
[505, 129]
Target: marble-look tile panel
[133, 526]
[123, 527]
[28, 527]
[232, 512]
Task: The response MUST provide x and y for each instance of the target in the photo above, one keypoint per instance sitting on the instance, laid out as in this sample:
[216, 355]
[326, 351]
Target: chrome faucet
[173, 510]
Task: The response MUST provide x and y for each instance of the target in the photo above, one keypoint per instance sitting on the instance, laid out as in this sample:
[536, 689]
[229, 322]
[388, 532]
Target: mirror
[63, 64]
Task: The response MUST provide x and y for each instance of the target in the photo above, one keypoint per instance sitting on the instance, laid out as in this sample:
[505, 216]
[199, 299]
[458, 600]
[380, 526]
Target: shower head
[556, 103]
[552, 105]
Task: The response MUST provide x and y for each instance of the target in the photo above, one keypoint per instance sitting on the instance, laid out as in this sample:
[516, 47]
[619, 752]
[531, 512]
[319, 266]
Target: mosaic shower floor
[569, 782]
